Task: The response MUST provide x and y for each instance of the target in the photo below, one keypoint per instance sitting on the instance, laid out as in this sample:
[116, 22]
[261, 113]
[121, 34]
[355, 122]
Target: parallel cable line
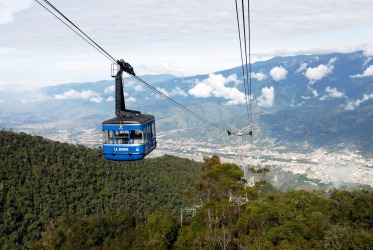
[185, 109]
[240, 40]
[111, 58]
[250, 78]
[246, 67]
[247, 71]
[46, 1]
[73, 30]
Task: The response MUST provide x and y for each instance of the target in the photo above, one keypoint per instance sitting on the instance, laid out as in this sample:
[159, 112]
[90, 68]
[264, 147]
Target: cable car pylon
[240, 133]
[246, 79]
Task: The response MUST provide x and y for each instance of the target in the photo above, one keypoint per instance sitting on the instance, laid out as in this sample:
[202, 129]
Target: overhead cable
[246, 67]
[85, 37]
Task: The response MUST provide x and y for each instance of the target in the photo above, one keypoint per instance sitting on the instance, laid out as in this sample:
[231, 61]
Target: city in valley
[346, 165]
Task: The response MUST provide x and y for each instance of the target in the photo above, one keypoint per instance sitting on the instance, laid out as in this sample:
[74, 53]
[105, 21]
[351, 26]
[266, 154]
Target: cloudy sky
[163, 36]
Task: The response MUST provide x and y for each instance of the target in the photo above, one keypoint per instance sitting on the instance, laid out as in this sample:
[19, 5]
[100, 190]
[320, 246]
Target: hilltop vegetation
[59, 196]
[41, 180]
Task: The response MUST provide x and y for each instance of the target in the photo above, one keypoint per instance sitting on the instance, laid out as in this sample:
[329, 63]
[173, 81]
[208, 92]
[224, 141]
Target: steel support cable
[247, 71]
[73, 30]
[108, 56]
[250, 89]
[185, 109]
[59, 12]
[247, 78]
[240, 40]
[242, 62]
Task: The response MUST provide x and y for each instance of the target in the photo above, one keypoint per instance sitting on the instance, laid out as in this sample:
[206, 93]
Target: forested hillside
[60, 196]
[41, 180]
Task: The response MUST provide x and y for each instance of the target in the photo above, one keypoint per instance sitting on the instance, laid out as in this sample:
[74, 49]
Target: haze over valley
[312, 114]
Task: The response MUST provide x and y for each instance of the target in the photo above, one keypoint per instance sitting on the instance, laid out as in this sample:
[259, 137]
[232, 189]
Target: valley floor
[346, 166]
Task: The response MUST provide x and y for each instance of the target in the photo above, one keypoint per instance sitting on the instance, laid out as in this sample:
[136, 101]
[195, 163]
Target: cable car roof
[135, 119]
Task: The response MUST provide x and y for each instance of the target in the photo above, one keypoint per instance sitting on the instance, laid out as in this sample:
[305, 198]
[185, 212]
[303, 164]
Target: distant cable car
[131, 135]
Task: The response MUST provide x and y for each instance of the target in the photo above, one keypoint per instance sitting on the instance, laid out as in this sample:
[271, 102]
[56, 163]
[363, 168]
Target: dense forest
[59, 196]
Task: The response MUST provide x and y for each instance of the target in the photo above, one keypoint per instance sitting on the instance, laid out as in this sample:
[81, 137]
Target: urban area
[347, 165]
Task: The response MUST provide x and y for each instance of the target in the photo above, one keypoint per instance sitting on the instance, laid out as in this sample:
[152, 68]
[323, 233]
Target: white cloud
[169, 67]
[36, 97]
[351, 105]
[323, 98]
[174, 92]
[214, 85]
[259, 76]
[334, 93]
[233, 78]
[6, 51]
[139, 88]
[130, 83]
[96, 99]
[110, 89]
[367, 72]
[314, 92]
[2, 101]
[178, 91]
[302, 67]
[367, 61]
[365, 98]
[109, 99]
[307, 29]
[131, 99]
[318, 73]
[202, 90]
[331, 93]
[73, 94]
[267, 97]
[163, 91]
[368, 52]
[332, 61]
[8, 8]
[278, 73]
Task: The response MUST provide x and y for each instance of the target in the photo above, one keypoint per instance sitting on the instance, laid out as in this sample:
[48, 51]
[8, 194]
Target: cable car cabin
[129, 138]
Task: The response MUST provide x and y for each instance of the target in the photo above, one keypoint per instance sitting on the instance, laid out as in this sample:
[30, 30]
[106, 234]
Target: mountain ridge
[335, 86]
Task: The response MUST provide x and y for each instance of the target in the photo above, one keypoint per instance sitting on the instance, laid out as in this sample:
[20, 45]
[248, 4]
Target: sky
[162, 36]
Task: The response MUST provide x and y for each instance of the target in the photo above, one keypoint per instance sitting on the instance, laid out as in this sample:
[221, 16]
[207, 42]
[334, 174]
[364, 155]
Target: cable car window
[107, 136]
[121, 137]
[146, 134]
[137, 137]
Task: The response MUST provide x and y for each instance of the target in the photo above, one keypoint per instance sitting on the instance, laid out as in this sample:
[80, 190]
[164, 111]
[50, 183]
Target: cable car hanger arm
[126, 67]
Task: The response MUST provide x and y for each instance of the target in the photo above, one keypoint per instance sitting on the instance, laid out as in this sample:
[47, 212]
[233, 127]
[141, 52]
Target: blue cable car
[129, 138]
[131, 135]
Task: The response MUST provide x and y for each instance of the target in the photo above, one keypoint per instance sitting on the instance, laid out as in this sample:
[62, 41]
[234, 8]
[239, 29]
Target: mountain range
[323, 100]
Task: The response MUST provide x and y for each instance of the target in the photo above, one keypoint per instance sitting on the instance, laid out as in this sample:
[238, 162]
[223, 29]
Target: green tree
[213, 226]
[161, 229]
